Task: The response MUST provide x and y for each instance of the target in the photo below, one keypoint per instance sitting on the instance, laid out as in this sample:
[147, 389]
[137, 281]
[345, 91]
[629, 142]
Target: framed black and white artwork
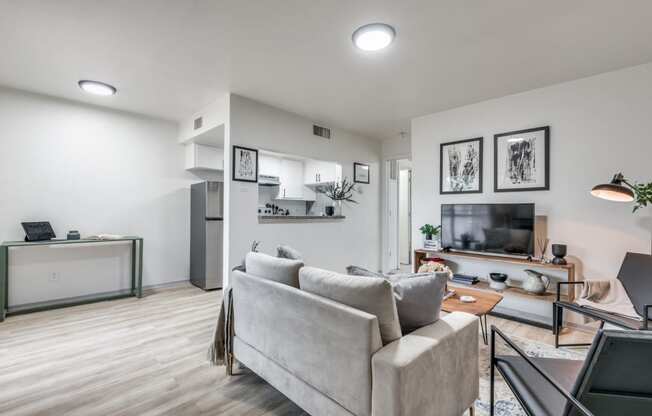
[522, 160]
[245, 164]
[460, 167]
[360, 173]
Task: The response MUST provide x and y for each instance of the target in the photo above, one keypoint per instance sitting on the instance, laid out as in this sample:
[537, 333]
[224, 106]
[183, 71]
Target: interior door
[392, 216]
[405, 216]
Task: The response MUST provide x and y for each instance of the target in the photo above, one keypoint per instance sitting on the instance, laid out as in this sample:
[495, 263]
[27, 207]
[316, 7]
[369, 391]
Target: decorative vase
[559, 251]
[330, 210]
[536, 283]
[338, 208]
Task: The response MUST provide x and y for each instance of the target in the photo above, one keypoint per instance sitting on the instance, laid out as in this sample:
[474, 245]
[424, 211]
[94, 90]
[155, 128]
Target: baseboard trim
[168, 284]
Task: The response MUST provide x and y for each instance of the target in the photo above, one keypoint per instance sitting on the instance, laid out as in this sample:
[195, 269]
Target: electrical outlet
[54, 277]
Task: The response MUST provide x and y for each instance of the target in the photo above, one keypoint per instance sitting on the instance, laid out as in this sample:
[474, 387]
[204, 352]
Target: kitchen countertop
[300, 217]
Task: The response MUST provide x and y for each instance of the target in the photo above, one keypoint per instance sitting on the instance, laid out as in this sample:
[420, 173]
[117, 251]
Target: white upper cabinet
[291, 175]
[201, 157]
[317, 171]
[269, 165]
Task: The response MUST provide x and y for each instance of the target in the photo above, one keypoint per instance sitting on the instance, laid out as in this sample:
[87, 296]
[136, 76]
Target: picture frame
[361, 173]
[245, 164]
[461, 166]
[522, 160]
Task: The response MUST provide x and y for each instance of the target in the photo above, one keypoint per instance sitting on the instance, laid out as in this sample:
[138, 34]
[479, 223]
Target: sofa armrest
[431, 371]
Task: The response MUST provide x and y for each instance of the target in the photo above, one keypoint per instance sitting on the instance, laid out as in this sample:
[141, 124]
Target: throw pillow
[284, 271]
[287, 252]
[242, 267]
[435, 267]
[394, 276]
[361, 271]
[418, 299]
[371, 295]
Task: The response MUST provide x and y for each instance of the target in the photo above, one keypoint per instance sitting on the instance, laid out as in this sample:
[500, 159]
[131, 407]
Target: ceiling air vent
[198, 123]
[321, 131]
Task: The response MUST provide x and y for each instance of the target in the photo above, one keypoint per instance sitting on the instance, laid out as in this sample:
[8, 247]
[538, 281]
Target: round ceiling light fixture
[373, 37]
[97, 87]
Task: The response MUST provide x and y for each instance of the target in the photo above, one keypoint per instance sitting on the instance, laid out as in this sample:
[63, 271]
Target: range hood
[268, 180]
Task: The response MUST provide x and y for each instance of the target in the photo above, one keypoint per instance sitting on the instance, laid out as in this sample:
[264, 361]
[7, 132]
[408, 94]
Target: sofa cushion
[273, 268]
[418, 299]
[371, 295]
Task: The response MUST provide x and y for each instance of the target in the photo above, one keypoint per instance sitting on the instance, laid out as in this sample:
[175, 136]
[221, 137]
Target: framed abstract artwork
[460, 167]
[522, 160]
[245, 164]
[360, 173]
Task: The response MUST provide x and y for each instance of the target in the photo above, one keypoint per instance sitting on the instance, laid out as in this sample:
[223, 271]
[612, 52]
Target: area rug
[506, 403]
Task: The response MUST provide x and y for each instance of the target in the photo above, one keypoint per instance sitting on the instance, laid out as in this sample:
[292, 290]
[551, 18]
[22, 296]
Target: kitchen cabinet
[269, 165]
[202, 157]
[317, 171]
[291, 178]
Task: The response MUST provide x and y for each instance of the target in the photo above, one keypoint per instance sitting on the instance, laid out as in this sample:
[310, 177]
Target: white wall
[398, 148]
[599, 126]
[213, 115]
[97, 171]
[328, 244]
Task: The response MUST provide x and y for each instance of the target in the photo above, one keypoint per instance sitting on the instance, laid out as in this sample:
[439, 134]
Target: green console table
[136, 273]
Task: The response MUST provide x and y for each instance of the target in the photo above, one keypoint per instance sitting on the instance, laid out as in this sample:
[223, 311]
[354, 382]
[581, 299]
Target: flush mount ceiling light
[97, 87]
[374, 36]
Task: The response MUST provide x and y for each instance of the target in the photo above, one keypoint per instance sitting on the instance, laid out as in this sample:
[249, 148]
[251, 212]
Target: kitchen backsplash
[266, 195]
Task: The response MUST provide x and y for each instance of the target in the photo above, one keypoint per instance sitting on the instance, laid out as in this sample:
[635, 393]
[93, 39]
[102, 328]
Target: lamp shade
[614, 191]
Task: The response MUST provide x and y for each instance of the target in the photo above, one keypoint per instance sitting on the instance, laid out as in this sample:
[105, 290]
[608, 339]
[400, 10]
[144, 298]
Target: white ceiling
[169, 58]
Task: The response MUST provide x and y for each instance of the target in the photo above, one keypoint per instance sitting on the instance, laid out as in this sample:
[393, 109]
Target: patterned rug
[506, 403]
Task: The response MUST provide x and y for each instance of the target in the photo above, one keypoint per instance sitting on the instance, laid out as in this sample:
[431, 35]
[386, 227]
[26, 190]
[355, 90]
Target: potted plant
[643, 195]
[338, 192]
[430, 232]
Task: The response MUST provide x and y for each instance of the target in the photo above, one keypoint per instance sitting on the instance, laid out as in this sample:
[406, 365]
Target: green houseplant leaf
[643, 195]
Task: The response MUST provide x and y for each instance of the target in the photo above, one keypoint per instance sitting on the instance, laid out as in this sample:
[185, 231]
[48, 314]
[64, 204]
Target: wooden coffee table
[485, 303]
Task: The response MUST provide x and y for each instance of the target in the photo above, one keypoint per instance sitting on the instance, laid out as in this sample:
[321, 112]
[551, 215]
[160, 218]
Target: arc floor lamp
[621, 189]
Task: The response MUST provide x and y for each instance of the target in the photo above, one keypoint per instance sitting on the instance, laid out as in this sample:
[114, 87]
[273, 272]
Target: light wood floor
[139, 357]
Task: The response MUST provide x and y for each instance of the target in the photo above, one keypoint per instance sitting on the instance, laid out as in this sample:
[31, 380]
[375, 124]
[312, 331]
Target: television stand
[569, 268]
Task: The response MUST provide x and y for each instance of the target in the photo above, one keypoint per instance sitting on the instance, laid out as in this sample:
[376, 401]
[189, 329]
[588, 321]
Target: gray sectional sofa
[329, 358]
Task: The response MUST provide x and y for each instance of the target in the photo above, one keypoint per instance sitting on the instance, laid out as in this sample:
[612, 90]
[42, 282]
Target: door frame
[390, 247]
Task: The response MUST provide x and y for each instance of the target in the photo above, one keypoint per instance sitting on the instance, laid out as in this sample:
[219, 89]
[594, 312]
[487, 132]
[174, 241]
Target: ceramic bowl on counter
[498, 281]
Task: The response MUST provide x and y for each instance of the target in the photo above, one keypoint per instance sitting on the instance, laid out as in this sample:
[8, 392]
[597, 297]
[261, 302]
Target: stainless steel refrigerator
[206, 234]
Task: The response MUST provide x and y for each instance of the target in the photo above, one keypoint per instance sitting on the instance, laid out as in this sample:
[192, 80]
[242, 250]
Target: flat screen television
[488, 228]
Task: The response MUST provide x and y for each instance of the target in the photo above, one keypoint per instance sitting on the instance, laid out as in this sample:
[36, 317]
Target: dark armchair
[614, 379]
[636, 277]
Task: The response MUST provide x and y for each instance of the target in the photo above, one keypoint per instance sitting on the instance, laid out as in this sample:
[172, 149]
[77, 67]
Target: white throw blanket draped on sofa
[608, 296]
